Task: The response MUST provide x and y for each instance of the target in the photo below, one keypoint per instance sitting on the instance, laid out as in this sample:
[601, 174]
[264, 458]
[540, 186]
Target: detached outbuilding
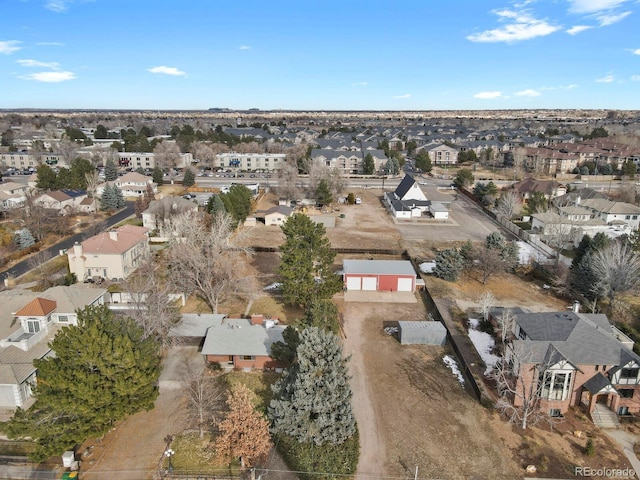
[379, 275]
[422, 333]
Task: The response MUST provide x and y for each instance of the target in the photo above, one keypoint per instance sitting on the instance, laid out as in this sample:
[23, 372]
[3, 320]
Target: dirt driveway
[411, 410]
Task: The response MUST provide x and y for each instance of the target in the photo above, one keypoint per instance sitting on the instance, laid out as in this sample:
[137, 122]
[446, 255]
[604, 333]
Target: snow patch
[484, 344]
[427, 267]
[453, 365]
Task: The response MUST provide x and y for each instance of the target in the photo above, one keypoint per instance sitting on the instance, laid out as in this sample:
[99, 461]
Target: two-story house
[65, 201]
[574, 359]
[132, 184]
[114, 254]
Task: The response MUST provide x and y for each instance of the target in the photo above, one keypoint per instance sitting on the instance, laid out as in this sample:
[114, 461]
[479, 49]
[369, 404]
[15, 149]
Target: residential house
[441, 154]
[28, 323]
[132, 184]
[243, 343]
[111, 255]
[527, 187]
[575, 359]
[155, 217]
[64, 201]
[276, 216]
[12, 195]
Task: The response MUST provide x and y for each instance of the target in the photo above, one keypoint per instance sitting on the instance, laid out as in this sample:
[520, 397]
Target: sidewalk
[626, 441]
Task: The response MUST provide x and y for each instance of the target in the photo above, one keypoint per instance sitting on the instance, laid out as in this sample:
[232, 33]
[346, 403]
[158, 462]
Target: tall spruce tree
[119, 198]
[306, 262]
[189, 178]
[312, 401]
[102, 371]
[108, 201]
[110, 171]
[158, 176]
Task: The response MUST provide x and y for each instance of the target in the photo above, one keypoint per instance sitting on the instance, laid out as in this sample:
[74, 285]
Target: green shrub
[590, 449]
[214, 366]
[307, 457]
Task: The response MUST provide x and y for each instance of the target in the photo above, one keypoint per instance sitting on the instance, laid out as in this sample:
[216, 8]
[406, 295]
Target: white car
[423, 183]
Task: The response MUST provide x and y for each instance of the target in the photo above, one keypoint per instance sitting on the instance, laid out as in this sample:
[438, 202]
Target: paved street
[23, 267]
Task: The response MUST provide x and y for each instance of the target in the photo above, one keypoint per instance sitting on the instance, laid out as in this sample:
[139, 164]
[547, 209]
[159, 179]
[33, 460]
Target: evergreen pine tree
[215, 205]
[108, 201]
[110, 171]
[119, 200]
[306, 262]
[158, 176]
[449, 265]
[102, 372]
[189, 178]
[312, 401]
[24, 238]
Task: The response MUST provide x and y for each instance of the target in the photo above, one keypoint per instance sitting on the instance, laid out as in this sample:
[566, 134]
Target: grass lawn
[52, 266]
[259, 383]
[193, 454]
[271, 306]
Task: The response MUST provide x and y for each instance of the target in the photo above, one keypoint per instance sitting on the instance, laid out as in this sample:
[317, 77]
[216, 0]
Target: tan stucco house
[114, 254]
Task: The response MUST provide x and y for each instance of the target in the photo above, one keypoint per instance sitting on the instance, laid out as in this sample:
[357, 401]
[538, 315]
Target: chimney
[576, 306]
[578, 198]
[113, 235]
[77, 249]
[256, 319]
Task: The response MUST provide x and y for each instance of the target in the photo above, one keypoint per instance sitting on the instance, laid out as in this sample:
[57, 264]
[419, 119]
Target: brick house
[243, 343]
[575, 360]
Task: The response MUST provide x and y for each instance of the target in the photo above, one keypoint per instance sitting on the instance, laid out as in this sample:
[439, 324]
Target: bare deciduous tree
[288, 179]
[208, 261]
[618, 268]
[204, 394]
[505, 321]
[203, 153]
[520, 383]
[38, 265]
[150, 303]
[486, 302]
[67, 150]
[488, 262]
[166, 155]
[93, 180]
[509, 204]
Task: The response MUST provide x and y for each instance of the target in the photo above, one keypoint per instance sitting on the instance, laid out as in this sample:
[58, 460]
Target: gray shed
[422, 333]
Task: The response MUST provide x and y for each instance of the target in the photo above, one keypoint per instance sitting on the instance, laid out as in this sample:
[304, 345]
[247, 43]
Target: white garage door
[353, 283]
[405, 285]
[369, 283]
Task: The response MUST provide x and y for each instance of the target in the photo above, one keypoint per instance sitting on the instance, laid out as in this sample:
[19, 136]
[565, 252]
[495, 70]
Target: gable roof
[392, 267]
[404, 186]
[127, 237]
[38, 307]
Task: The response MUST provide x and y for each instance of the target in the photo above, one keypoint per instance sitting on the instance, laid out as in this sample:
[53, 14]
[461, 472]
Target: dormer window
[33, 325]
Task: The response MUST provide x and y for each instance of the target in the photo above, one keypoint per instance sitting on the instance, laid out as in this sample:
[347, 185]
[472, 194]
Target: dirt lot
[411, 410]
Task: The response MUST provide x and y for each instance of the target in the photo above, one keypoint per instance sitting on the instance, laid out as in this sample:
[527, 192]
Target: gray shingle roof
[391, 267]
[236, 336]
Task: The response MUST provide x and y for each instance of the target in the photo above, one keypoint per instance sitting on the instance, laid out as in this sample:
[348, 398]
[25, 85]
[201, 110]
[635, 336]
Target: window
[556, 385]
[597, 367]
[629, 374]
[63, 318]
[626, 392]
[248, 357]
[623, 411]
[555, 413]
[33, 326]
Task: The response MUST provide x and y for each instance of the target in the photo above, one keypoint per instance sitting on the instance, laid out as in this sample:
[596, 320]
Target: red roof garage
[379, 275]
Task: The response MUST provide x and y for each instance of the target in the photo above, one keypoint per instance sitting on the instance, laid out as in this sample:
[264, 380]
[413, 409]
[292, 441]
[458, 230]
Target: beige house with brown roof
[65, 201]
[28, 322]
[113, 254]
[133, 184]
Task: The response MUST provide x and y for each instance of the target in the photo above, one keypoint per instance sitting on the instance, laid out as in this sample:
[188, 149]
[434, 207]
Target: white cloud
[592, 6]
[606, 20]
[606, 79]
[9, 46]
[50, 77]
[406, 95]
[35, 63]
[244, 47]
[636, 51]
[166, 70]
[359, 84]
[57, 6]
[522, 26]
[578, 29]
[561, 87]
[487, 95]
[50, 44]
[528, 93]
[635, 78]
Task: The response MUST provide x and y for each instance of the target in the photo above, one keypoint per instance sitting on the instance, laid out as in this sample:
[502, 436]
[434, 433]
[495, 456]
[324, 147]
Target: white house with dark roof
[408, 200]
[66, 201]
[113, 254]
[277, 215]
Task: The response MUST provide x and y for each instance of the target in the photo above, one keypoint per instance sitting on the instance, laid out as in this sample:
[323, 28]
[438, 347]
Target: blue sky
[320, 55]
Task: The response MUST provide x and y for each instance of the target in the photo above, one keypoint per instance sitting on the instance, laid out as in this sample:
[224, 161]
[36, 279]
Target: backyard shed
[379, 275]
[422, 333]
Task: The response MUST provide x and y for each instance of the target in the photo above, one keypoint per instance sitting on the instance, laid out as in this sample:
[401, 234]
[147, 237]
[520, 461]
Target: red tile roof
[38, 307]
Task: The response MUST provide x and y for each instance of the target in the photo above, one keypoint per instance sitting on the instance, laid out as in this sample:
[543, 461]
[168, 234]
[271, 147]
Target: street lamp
[169, 453]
